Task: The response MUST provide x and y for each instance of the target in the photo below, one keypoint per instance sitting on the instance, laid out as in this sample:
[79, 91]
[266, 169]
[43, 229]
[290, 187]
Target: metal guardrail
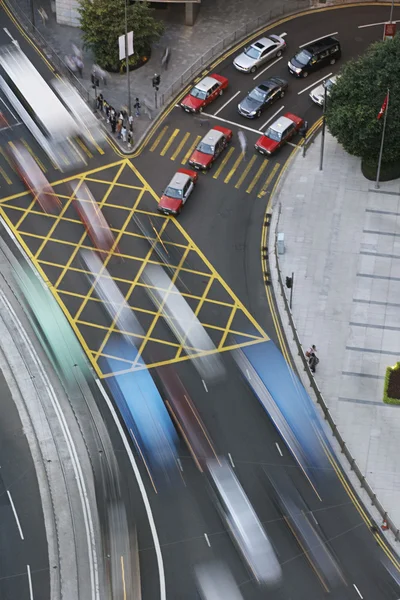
[320, 399]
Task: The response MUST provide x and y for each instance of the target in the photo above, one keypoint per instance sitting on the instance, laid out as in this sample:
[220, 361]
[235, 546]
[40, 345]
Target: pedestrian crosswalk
[252, 172]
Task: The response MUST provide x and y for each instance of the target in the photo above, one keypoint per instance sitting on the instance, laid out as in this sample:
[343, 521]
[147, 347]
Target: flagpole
[382, 142]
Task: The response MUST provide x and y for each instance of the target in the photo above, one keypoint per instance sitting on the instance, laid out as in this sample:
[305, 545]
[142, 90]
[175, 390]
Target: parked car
[259, 52]
[318, 93]
[204, 92]
[314, 56]
[262, 96]
[277, 134]
[177, 192]
[210, 147]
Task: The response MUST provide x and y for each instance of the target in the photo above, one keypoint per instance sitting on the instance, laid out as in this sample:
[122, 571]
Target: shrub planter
[391, 389]
[388, 172]
[135, 62]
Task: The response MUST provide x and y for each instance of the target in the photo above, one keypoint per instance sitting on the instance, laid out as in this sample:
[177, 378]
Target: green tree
[356, 100]
[103, 21]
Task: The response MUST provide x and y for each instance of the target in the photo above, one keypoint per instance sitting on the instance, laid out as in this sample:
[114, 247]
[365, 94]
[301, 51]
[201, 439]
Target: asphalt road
[221, 224]
[23, 546]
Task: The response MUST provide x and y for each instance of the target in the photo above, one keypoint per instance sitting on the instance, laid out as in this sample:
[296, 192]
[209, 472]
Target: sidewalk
[342, 244]
[187, 45]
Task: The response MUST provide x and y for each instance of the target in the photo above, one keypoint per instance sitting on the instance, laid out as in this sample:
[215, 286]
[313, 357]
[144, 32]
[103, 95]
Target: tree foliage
[103, 21]
[356, 100]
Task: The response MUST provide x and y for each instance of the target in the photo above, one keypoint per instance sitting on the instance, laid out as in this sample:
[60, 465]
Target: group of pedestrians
[121, 122]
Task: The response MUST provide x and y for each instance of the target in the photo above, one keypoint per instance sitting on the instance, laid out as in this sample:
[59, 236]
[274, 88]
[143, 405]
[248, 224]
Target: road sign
[389, 31]
[121, 42]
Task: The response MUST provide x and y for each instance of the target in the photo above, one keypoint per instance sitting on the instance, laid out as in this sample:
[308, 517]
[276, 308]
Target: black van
[314, 56]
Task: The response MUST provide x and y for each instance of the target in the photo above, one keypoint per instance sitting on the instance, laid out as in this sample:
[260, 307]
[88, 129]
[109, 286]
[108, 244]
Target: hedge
[389, 372]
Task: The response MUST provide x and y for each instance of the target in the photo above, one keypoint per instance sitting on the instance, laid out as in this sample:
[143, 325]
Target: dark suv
[315, 56]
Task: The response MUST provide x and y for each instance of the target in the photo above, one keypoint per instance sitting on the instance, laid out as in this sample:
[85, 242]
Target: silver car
[317, 94]
[259, 53]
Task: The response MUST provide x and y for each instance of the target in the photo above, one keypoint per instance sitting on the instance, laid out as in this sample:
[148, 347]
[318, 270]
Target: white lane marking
[28, 569]
[320, 38]
[178, 460]
[15, 515]
[268, 67]
[207, 540]
[231, 122]
[374, 24]
[291, 144]
[314, 84]
[177, 105]
[248, 374]
[230, 458]
[312, 514]
[270, 119]
[226, 103]
[279, 450]
[284, 34]
[9, 109]
[160, 563]
[358, 591]
[205, 387]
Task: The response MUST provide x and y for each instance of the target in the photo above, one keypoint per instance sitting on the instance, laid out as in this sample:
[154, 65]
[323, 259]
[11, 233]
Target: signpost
[389, 31]
[125, 51]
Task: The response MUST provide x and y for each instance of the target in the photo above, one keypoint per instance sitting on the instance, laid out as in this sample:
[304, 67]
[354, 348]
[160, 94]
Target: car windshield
[258, 95]
[173, 192]
[205, 148]
[273, 134]
[197, 93]
[303, 57]
[251, 52]
[329, 84]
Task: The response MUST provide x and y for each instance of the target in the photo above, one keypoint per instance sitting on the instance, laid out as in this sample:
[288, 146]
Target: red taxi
[32, 175]
[210, 147]
[93, 219]
[177, 192]
[204, 92]
[277, 134]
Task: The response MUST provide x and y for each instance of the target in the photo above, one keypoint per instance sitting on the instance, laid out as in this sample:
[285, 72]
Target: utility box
[281, 243]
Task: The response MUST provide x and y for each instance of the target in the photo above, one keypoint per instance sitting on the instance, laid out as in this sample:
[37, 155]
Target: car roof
[281, 124]
[178, 181]
[206, 83]
[319, 44]
[263, 43]
[264, 86]
[212, 137]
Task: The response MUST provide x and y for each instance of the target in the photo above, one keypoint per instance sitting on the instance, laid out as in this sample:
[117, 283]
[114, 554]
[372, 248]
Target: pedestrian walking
[130, 137]
[130, 121]
[43, 15]
[70, 64]
[312, 350]
[113, 124]
[136, 106]
[123, 133]
[76, 51]
[242, 141]
[118, 128]
[313, 361]
[100, 73]
[112, 112]
[107, 109]
[100, 102]
[165, 58]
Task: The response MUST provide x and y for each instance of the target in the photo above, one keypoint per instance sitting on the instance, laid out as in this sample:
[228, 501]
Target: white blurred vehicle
[39, 108]
[89, 126]
[244, 525]
[216, 582]
[317, 94]
[182, 321]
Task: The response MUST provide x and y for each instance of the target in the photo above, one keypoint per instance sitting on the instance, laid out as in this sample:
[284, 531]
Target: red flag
[383, 107]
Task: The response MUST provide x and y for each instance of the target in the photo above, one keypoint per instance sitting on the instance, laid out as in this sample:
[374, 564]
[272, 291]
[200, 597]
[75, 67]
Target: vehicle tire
[282, 93]
[258, 113]
[332, 61]
[221, 92]
[253, 69]
[279, 53]
[305, 74]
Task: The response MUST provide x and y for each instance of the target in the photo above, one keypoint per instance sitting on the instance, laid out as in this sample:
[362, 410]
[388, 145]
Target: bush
[388, 172]
[392, 385]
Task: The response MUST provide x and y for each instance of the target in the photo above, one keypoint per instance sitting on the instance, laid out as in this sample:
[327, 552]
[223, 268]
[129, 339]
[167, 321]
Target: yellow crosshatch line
[186, 246]
[190, 151]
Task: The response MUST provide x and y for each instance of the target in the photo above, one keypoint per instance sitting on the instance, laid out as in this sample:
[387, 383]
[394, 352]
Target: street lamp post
[321, 160]
[391, 12]
[127, 60]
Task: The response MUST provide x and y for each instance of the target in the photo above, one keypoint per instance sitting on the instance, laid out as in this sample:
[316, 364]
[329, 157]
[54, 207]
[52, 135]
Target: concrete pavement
[342, 244]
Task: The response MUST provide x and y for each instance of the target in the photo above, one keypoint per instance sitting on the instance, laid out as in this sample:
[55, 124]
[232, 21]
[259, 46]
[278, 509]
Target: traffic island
[391, 390]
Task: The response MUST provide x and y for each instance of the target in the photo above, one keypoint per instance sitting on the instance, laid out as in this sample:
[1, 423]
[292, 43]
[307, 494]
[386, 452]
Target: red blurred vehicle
[210, 147]
[34, 179]
[204, 92]
[281, 131]
[93, 219]
[177, 192]
[186, 417]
